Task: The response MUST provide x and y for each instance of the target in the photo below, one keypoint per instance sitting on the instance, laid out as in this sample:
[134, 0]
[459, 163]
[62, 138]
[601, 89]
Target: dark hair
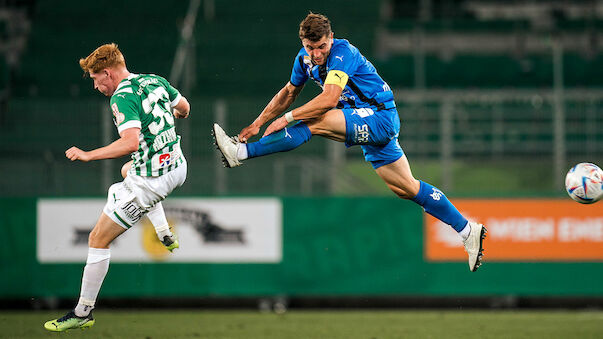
[314, 27]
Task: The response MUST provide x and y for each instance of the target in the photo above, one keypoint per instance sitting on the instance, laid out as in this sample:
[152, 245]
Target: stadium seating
[243, 55]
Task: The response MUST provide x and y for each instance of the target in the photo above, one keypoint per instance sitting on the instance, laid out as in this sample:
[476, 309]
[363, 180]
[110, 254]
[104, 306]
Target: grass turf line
[315, 324]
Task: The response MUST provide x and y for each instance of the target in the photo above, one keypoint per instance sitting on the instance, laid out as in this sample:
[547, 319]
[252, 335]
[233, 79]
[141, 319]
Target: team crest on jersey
[119, 117]
[308, 61]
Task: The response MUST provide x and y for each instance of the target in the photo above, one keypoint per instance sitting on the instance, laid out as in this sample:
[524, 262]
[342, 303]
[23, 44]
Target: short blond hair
[106, 56]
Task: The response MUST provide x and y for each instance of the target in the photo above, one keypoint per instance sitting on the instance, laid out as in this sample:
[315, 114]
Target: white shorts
[128, 201]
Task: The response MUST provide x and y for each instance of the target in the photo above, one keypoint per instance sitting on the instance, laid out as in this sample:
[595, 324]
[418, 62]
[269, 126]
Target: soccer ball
[584, 183]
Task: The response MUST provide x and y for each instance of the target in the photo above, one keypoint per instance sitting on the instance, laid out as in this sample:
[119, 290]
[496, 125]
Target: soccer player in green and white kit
[143, 107]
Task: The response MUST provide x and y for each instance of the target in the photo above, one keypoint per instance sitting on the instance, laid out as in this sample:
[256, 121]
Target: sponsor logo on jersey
[168, 159]
[164, 159]
[339, 57]
[164, 138]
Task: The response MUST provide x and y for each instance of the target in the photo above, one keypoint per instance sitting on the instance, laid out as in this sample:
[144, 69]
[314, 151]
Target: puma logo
[339, 57]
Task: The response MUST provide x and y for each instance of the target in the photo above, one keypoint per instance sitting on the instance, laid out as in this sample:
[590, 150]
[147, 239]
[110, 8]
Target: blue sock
[435, 203]
[281, 141]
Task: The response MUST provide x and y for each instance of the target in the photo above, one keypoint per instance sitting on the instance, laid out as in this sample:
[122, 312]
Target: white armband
[289, 116]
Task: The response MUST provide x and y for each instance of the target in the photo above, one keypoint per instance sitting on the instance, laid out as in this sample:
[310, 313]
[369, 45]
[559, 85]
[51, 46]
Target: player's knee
[97, 240]
[401, 193]
[406, 189]
[94, 240]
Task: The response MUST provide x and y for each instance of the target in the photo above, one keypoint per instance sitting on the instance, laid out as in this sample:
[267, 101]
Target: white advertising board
[229, 230]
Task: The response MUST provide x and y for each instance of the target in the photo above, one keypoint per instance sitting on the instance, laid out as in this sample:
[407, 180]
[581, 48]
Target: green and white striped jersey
[146, 101]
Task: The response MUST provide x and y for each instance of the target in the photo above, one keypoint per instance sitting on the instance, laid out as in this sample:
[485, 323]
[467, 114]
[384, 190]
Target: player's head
[106, 67]
[316, 37]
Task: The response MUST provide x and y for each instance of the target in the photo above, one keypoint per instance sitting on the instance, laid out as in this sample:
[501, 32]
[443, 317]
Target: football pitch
[250, 324]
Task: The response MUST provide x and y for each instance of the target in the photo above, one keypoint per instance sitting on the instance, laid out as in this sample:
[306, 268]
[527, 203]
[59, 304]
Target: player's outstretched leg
[69, 322]
[284, 140]
[437, 204]
[400, 180]
[97, 265]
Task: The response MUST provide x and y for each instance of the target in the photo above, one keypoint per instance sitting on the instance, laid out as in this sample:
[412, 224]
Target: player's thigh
[104, 232]
[330, 125]
[369, 126]
[123, 205]
[398, 177]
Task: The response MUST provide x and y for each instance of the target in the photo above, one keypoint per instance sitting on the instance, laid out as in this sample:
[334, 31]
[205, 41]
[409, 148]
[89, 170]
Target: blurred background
[498, 99]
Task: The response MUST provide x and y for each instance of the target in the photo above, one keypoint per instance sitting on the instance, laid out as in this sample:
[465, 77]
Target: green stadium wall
[331, 247]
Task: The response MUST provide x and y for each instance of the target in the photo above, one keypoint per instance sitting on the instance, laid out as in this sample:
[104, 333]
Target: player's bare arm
[279, 104]
[313, 109]
[182, 109]
[126, 144]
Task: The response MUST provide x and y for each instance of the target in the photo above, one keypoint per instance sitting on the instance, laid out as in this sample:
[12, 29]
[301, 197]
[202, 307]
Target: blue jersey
[364, 88]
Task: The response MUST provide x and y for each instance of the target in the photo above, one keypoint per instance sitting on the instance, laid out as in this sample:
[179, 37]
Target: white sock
[465, 232]
[242, 151]
[95, 271]
[157, 217]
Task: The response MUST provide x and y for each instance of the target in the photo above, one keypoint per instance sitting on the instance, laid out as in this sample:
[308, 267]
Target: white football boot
[227, 146]
[473, 245]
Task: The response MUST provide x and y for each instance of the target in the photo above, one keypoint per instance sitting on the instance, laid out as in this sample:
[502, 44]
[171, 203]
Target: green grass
[315, 324]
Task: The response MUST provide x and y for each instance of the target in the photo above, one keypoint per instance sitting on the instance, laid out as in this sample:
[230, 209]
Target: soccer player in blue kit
[355, 107]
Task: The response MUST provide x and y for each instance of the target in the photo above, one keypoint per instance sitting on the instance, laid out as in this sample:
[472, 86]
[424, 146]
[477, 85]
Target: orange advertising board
[523, 230]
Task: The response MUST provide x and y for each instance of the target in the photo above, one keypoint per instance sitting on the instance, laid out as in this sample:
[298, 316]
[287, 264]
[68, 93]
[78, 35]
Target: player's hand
[75, 153]
[180, 115]
[276, 126]
[248, 132]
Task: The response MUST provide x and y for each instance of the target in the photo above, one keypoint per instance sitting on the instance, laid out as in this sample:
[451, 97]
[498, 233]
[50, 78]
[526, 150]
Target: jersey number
[151, 105]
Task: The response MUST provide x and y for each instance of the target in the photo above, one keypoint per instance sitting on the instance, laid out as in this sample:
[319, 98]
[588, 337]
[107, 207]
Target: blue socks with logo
[282, 141]
[435, 203]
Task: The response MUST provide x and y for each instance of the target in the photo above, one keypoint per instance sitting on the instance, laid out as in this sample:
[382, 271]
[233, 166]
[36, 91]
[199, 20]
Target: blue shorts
[376, 132]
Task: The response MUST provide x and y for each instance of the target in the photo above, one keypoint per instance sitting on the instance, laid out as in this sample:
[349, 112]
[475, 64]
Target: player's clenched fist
[248, 132]
[75, 153]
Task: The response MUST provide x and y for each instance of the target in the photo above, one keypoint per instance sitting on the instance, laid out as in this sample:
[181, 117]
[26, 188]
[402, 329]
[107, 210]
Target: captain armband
[336, 77]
